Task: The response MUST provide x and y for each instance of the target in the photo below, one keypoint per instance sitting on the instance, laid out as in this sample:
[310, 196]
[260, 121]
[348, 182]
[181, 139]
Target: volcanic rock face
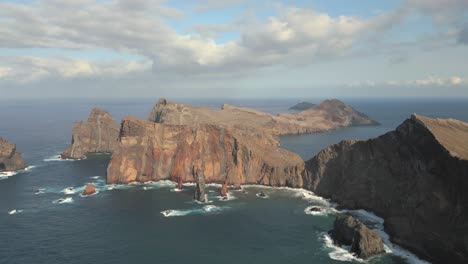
[415, 177]
[152, 151]
[349, 231]
[97, 135]
[10, 159]
[329, 114]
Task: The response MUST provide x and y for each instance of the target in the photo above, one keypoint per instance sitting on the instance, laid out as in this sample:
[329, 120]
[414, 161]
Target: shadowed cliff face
[328, 115]
[97, 135]
[416, 177]
[151, 151]
[10, 159]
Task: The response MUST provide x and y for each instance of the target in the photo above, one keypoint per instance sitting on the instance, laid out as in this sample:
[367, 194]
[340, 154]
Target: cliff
[328, 115]
[153, 151]
[415, 177]
[96, 135]
[10, 159]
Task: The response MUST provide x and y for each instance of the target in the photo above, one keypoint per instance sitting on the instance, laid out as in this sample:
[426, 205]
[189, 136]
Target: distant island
[414, 177]
[302, 106]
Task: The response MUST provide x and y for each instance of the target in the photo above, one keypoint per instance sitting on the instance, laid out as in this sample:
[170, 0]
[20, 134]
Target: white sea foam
[339, 253]
[95, 177]
[147, 188]
[229, 197]
[377, 224]
[63, 200]
[189, 184]
[323, 210]
[15, 211]
[69, 190]
[40, 191]
[5, 174]
[96, 192]
[176, 190]
[264, 196]
[207, 209]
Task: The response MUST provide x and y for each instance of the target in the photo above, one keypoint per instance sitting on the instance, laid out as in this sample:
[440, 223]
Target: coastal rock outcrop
[10, 159]
[89, 189]
[151, 151]
[96, 135]
[328, 115]
[415, 177]
[363, 241]
[302, 106]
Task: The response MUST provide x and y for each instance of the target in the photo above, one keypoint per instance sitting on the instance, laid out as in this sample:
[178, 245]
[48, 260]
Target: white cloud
[432, 81]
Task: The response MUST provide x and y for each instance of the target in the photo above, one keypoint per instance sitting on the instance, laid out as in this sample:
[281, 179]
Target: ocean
[41, 221]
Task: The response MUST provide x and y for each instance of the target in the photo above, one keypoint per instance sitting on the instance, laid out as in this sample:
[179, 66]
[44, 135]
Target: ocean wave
[207, 209]
[377, 223]
[145, 188]
[15, 211]
[177, 190]
[320, 210]
[5, 174]
[63, 200]
[40, 191]
[262, 195]
[96, 192]
[95, 177]
[339, 253]
[229, 197]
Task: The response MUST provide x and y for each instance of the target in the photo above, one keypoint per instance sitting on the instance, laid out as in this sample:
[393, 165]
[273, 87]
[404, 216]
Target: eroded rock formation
[152, 151]
[415, 177]
[363, 241]
[329, 114]
[96, 135]
[89, 189]
[10, 159]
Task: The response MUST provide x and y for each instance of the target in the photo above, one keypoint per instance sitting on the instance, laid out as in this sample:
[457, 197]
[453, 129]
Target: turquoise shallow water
[124, 224]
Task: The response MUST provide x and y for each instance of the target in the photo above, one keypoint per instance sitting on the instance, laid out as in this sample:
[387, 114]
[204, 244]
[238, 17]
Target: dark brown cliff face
[10, 159]
[415, 177]
[97, 135]
[151, 151]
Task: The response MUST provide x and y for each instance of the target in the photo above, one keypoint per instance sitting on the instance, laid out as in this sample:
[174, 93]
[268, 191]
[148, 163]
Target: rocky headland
[302, 106]
[96, 135]
[10, 159]
[415, 177]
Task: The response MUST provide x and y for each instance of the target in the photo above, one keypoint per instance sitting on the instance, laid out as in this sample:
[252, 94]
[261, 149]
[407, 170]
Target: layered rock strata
[98, 134]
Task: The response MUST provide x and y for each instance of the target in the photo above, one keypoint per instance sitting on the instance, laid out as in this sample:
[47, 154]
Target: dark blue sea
[43, 222]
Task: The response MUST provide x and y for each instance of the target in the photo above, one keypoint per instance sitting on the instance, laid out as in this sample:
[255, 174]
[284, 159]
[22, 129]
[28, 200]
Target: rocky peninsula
[302, 106]
[10, 158]
[415, 177]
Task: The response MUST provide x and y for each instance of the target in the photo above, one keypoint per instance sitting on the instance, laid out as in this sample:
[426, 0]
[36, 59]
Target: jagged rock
[415, 177]
[329, 114]
[180, 184]
[97, 135]
[10, 159]
[224, 190]
[150, 152]
[89, 189]
[302, 106]
[349, 231]
[200, 188]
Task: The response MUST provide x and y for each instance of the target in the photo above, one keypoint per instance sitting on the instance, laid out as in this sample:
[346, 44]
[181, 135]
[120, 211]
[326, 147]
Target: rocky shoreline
[10, 158]
[413, 177]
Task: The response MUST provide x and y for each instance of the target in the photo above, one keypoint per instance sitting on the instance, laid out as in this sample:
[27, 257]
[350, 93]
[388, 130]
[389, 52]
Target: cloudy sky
[233, 48]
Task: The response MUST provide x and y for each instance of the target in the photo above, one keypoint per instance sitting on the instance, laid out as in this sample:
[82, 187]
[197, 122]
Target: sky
[233, 48]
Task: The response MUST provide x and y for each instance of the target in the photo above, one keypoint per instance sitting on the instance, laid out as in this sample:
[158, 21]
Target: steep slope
[152, 151]
[415, 177]
[96, 135]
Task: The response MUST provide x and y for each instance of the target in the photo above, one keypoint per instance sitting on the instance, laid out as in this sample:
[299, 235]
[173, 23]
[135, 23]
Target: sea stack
[349, 231]
[89, 189]
[96, 135]
[10, 159]
[415, 177]
[200, 188]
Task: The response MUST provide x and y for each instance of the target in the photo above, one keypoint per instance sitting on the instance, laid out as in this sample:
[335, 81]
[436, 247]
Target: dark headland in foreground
[414, 177]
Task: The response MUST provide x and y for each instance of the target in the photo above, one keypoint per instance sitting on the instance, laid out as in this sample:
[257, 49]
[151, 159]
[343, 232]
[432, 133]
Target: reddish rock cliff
[152, 151]
[97, 135]
[10, 159]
